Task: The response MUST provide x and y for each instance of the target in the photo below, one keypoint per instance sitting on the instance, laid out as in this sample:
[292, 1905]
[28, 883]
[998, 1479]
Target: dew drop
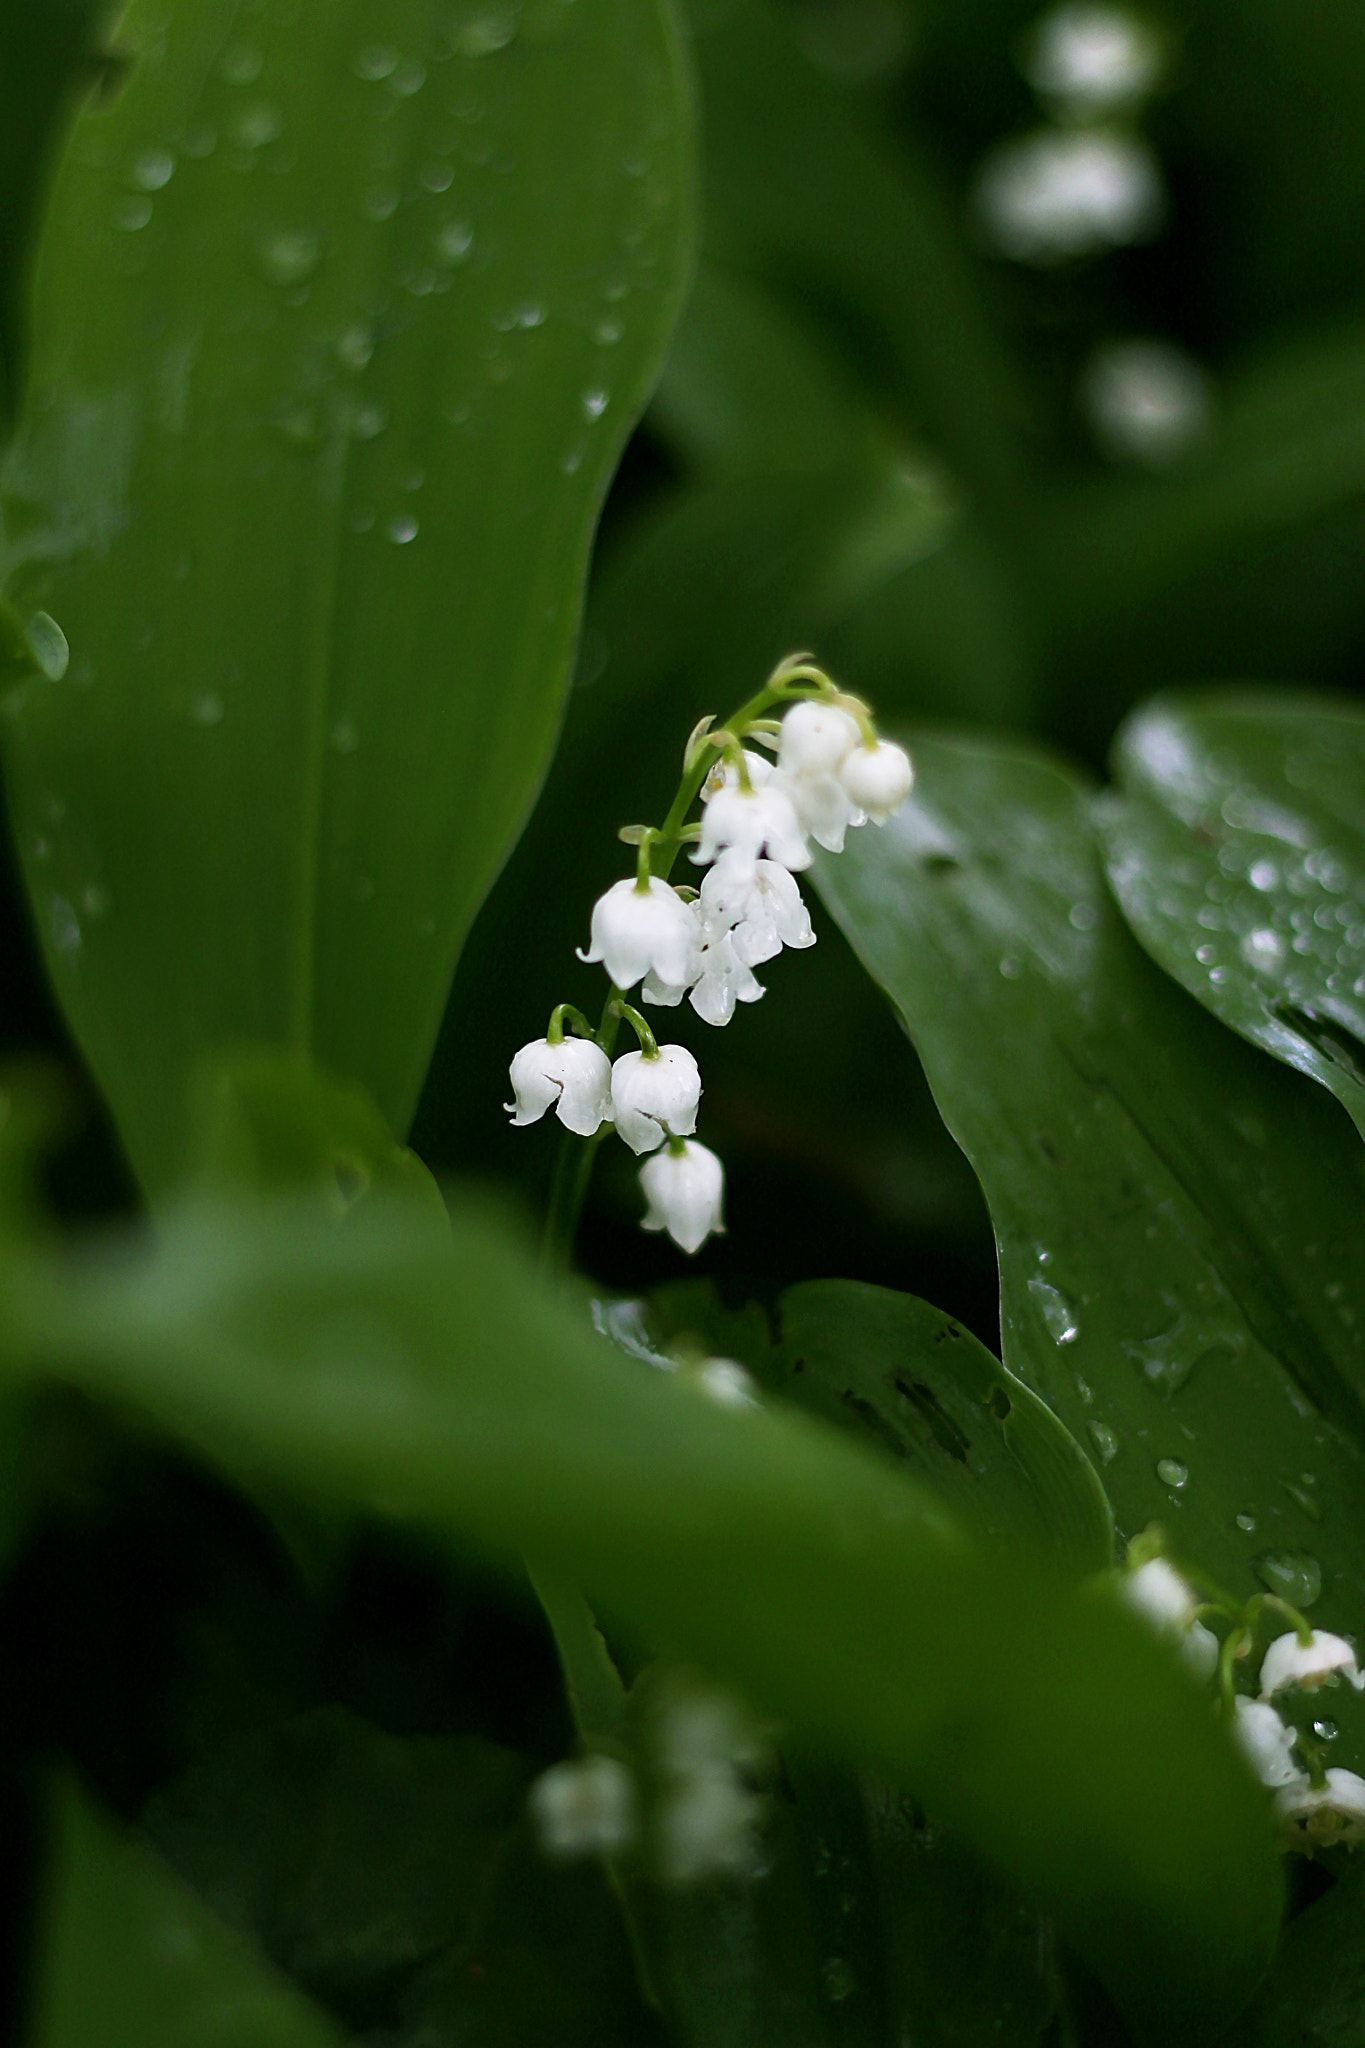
[483, 36]
[374, 62]
[1010, 967]
[356, 346]
[438, 177]
[131, 214]
[290, 255]
[1059, 1318]
[48, 645]
[241, 63]
[344, 736]
[257, 125]
[595, 403]
[1263, 948]
[153, 169]
[839, 1980]
[1293, 1574]
[1104, 1440]
[200, 141]
[1246, 1523]
[207, 709]
[64, 927]
[369, 421]
[454, 242]
[1172, 1473]
[95, 900]
[380, 202]
[1325, 1730]
[408, 79]
[1082, 917]
[402, 528]
[607, 332]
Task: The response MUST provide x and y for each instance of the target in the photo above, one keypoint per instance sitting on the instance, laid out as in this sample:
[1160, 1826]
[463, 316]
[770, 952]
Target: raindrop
[374, 62]
[1246, 1523]
[344, 736]
[380, 202]
[207, 709]
[95, 900]
[258, 124]
[241, 64]
[409, 78]
[1325, 1730]
[840, 1982]
[482, 36]
[1059, 1317]
[1104, 1440]
[48, 646]
[402, 528]
[132, 214]
[454, 242]
[42, 849]
[1293, 1574]
[595, 403]
[153, 169]
[608, 331]
[412, 479]
[1171, 1472]
[1010, 967]
[1263, 948]
[290, 255]
[200, 141]
[362, 519]
[355, 346]
[369, 421]
[1082, 917]
[438, 177]
[1303, 1499]
[64, 927]
[571, 461]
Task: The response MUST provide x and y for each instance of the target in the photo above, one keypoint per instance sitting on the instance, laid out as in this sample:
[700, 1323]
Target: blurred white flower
[1092, 60]
[1059, 193]
[655, 1098]
[1317, 1816]
[1288, 1662]
[644, 931]
[1145, 401]
[705, 1827]
[1158, 1593]
[573, 1077]
[585, 1807]
[725, 1382]
[878, 778]
[684, 1190]
[1265, 1741]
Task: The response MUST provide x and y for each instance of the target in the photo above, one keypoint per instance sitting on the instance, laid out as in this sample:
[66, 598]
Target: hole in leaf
[926, 1403]
[1001, 1406]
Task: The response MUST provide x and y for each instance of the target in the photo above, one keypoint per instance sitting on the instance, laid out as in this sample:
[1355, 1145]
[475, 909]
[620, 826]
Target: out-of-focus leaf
[343, 315]
[907, 1378]
[130, 1958]
[1238, 854]
[1174, 1213]
[1314, 1996]
[397, 1880]
[395, 1368]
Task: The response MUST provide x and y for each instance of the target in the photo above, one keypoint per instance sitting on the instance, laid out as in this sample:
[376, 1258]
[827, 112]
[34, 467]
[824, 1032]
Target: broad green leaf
[1175, 1215]
[130, 1958]
[907, 1378]
[1237, 851]
[343, 315]
[390, 1366]
[1314, 1996]
[398, 1881]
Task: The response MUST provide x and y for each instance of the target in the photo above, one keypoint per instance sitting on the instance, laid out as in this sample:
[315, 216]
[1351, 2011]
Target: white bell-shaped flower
[823, 806]
[573, 1078]
[725, 1381]
[1199, 1648]
[585, 1807]
[705, 1828]
[815, 738]
[666, 995]
[747, 821]
[1318, 1816]
[655, 1098]
[724, 980]
[1265, 1741]
[1092, 59]
[684, 1191]
[1158, 1592]
[637, 931]
[1306, 1665]
[878, 779]
[762, 911]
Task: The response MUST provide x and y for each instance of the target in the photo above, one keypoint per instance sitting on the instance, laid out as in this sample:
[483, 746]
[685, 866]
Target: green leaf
[907, 1378]
[129, 1957]
[1314, 1996]
[1238, 854]
[342, 319]
[391, 1367]
[1171, 1209]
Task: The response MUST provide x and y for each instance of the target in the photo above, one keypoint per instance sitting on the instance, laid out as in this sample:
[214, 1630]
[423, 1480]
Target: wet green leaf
[1314, 1996]
[388, 1367]
[130, 1958]
[1175, 1215]
[1237, 851]
[342, 318]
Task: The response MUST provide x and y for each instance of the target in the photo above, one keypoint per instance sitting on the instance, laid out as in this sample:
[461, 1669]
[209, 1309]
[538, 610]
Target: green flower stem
[649, 1044]
[566, 1013]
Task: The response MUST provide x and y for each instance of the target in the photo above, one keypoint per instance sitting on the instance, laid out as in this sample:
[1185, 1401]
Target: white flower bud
[1265, 1741]
[1092, 59]
[1051, 194]
[725, 1382]
[762, 911]
[706, 1828]
[878, 779]
[1306, 1665]
[1199, 1648]
[1157, 1591]
[814, 738]
[684, 1191]
[724, 981]
[584, 1808]
[749, 820]
[573, 1077]
[637, 932]
[823, 806]
[1317, 1816]
[655, 1098]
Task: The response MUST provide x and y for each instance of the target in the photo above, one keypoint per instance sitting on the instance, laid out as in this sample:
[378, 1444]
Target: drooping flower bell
[584, 1806]
[1158, 1593]
[573, 1078]
[655, 1098]
[763, 912]
[877, 779]
[746, 821]
[1288, 1662]
[1319, 1816]
[1265, 1741]
[683, 1185]
[650, 931]
[724, 980]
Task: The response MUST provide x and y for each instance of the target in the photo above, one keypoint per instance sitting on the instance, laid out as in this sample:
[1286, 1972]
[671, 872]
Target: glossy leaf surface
[1237, 850]
[390, 1367]
[132, 1959]
[343, 315]
[1176, 1216]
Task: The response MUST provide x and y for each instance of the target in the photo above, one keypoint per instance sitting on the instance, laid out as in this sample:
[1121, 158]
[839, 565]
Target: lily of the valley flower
[1318, 1816]
[724, 980]
[878, 778]
[573, 1078]
[584, 1807]
[650, 931]
[655, 1098]
[748, 820]
[1266, 1742]
[815, 739]
[1157, 1592]
[684, 1185]
[762, 910]
[1288, 1662]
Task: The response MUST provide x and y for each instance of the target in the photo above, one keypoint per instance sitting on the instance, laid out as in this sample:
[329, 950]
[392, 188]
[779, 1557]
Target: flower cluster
[832, 772]
[1314, 1807]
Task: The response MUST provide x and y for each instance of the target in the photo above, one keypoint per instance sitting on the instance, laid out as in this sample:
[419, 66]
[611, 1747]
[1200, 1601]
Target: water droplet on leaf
[1059, 1318]
[1171, 1472]
[1293, 1574]
[48, 645]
